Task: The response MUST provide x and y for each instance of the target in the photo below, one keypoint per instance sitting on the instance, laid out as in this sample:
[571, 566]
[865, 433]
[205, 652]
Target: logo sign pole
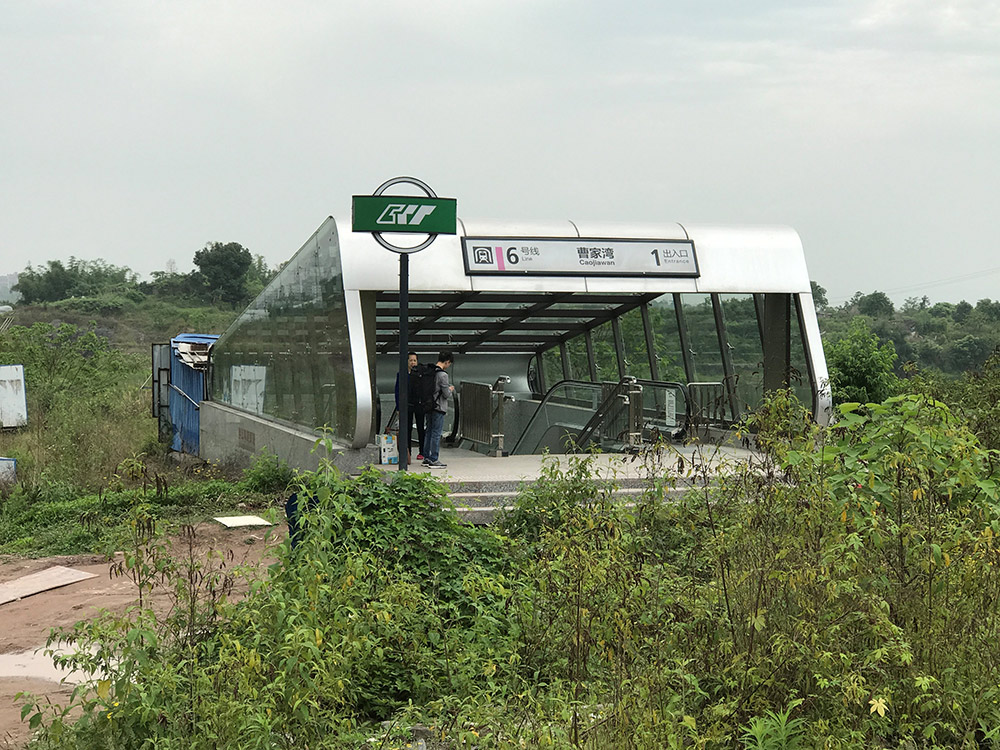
[383, 214]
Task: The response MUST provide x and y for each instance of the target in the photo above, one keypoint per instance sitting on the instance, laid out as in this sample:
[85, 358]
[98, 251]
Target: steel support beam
[591, 361]
[777, 343]
[686, 352]
[647, 327]
[727, 357]
[616, 331]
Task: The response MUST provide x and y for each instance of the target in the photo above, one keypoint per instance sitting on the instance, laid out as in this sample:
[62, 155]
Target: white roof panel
[730, 259]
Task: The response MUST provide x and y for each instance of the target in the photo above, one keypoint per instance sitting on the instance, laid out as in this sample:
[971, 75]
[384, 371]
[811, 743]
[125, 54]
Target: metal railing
[575, 415]
[482, 414]
[709, 404]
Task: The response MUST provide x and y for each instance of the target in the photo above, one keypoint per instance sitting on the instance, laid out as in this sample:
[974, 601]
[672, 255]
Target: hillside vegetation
[839, 590]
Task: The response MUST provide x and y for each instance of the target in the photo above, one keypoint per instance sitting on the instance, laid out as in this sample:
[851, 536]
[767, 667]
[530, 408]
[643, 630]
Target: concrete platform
[481, 485]
[469, 466]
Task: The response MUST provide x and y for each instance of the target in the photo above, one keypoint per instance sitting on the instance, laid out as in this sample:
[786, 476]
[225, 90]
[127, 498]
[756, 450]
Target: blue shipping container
[187, 388]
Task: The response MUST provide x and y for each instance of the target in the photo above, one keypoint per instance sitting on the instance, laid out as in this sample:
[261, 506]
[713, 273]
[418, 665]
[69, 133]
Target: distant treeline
[225, 273]
[942, 337]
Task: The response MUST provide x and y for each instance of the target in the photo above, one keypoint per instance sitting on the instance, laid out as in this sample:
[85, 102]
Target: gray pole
[404, 375]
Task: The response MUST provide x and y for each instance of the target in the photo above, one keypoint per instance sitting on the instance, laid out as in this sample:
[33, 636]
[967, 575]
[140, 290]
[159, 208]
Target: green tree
[819, 296]
[969, 352]
[988, 309]
[222, 269]
[962, 311]
[259, 276]
[75, 278]
[876, 304]
[861, 369]
[173, 285]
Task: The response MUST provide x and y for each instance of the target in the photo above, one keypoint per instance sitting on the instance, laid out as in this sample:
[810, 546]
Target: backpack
[423, 386]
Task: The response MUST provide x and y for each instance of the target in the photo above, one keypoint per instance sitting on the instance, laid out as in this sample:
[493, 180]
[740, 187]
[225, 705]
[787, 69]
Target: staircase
[477, 503]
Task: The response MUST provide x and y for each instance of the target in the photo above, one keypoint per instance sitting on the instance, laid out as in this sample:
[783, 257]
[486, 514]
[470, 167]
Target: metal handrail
[196, 404]
[606, 403]
[483, 420]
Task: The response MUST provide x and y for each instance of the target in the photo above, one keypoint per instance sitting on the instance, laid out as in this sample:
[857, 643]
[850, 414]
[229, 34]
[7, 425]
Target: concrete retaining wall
[234, 437]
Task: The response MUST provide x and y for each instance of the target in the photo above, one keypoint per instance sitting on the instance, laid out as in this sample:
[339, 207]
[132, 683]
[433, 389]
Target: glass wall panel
[634, 338]
[576, 347]
[552, 364]
[288, 355]
[743, 335]
[705, 355]
[667, 339]
[800, 379]
[604, 353]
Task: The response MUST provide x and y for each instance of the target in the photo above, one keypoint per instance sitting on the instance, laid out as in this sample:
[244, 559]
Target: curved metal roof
[450, 309]
[731, 260]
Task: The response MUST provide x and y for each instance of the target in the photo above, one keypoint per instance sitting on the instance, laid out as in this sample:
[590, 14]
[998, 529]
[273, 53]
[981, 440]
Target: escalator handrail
[603, 412]
[603, 405]
[545, 400]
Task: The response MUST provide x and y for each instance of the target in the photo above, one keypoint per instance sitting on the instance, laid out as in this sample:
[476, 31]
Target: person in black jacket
[416, 412]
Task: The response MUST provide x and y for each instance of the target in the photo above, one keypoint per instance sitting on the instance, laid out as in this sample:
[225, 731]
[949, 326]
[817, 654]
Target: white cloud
[166, 125]
[962, 19]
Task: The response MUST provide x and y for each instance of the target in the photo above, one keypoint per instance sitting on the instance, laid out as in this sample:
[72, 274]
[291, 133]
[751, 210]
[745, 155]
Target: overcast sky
[137, 131]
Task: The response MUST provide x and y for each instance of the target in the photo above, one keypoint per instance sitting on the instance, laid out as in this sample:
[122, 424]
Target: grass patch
[95, 522]
[839, 590]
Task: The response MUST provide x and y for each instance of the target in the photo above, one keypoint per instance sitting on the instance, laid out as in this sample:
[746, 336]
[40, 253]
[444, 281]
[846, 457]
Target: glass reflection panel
[706, 357]
[801, 383]
[288, 355]
[634, 340]
[745, 349]
[552, 364]
[605, 359]
[667, 339]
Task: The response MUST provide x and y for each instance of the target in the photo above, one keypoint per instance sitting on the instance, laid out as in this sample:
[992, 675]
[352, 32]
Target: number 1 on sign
[656, 255]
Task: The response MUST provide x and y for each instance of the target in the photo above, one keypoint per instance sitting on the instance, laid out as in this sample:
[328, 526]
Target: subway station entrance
[566, 336]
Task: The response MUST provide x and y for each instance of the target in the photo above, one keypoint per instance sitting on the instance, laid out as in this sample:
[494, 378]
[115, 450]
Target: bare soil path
[25, 624]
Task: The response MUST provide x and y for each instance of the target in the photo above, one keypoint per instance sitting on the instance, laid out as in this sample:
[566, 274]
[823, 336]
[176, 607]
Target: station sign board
[404, 213]
[578, 256]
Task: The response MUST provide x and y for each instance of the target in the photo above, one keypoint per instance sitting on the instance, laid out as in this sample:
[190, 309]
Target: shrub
[848, 575]
[268, 474]
[861, 369]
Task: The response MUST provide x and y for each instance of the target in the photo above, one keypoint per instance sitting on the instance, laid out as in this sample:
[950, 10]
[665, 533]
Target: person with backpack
[435, 396]
[414, 372]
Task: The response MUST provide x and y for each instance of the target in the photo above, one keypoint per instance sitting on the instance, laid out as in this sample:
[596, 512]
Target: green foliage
[104, 304]
[874, 305]
[942, 337]
[861, 369]
[975, 397]
[227, 273]
[84, 406]
[775, 730]
[63, 364]
[819, 296]
[388, 599]
[78, 278]
[53, 517]
[849, 575]
[267, 473]
[222, 271]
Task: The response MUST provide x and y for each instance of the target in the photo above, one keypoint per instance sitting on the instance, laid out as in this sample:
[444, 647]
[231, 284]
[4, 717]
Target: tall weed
[848, 575]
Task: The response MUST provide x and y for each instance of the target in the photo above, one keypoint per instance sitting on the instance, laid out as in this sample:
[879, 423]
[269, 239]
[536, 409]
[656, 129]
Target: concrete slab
[465, 466]
[240, 521]
[43, 580]
[36, 665]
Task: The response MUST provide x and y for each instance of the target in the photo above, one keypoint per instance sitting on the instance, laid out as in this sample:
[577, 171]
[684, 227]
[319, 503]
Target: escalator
[579, 415]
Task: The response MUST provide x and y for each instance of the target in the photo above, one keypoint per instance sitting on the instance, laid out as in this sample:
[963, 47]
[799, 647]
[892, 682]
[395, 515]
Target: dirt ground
[25, 624]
